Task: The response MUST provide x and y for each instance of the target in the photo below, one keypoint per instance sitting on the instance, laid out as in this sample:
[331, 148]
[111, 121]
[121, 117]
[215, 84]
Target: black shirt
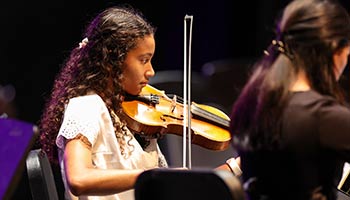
[315, 143]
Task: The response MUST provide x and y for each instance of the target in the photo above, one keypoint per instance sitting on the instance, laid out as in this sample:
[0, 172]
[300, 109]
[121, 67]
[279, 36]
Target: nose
[150, 71]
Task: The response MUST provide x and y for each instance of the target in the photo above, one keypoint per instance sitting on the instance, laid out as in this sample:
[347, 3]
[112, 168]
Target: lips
[144, 84]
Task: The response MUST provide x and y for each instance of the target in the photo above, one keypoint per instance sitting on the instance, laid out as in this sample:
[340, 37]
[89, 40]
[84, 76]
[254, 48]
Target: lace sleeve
[81, 117]
[83, 139]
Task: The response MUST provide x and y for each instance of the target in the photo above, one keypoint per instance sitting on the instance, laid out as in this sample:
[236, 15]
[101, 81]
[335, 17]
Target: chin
[139, 91]
[136, 91]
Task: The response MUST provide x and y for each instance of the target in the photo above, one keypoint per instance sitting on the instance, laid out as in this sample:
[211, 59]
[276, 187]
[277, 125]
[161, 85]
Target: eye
[145, 60]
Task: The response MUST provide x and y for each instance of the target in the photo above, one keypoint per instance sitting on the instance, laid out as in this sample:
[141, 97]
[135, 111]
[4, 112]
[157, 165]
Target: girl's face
[138, 68]
[340, 59]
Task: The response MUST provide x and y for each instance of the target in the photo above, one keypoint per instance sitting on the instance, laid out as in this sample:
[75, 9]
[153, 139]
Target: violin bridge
[173, 104]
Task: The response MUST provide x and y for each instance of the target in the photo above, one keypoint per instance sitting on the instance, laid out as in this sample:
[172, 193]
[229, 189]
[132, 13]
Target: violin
[154, 112]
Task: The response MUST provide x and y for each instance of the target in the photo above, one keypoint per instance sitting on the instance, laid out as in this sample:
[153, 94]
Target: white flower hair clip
[83, 43]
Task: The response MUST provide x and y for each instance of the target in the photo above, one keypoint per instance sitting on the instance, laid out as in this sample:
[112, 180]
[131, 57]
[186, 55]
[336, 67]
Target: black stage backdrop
[36, 37]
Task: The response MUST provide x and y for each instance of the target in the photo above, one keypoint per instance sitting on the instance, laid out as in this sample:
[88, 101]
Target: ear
[340, 59]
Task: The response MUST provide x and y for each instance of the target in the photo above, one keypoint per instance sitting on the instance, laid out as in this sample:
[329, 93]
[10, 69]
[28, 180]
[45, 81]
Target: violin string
[196, 110]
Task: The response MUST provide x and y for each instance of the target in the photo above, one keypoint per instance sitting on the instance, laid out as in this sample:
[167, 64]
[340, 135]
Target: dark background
[36, 37]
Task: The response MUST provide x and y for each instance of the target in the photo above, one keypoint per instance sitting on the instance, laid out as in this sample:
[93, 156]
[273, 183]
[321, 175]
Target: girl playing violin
[99, 157]
[97, 153]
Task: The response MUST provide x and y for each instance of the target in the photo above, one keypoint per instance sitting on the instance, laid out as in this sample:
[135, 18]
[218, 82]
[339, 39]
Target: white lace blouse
[88, 115]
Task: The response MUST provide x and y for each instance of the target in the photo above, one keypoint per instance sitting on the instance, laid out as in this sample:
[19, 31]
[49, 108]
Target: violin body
[159, 114]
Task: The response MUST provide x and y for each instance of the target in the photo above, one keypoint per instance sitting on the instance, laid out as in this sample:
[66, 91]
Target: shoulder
[311, 112]
[87, 99]
[312, 98]
[86, 104]
[317, 105]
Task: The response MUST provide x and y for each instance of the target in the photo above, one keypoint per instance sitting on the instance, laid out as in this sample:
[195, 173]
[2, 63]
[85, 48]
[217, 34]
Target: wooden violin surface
[153, 112]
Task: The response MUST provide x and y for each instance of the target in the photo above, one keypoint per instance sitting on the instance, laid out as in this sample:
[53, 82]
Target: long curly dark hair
[307, 36]
[111, 35]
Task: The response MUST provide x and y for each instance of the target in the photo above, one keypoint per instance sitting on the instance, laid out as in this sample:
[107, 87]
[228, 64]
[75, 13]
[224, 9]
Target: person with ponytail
[290, 123]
